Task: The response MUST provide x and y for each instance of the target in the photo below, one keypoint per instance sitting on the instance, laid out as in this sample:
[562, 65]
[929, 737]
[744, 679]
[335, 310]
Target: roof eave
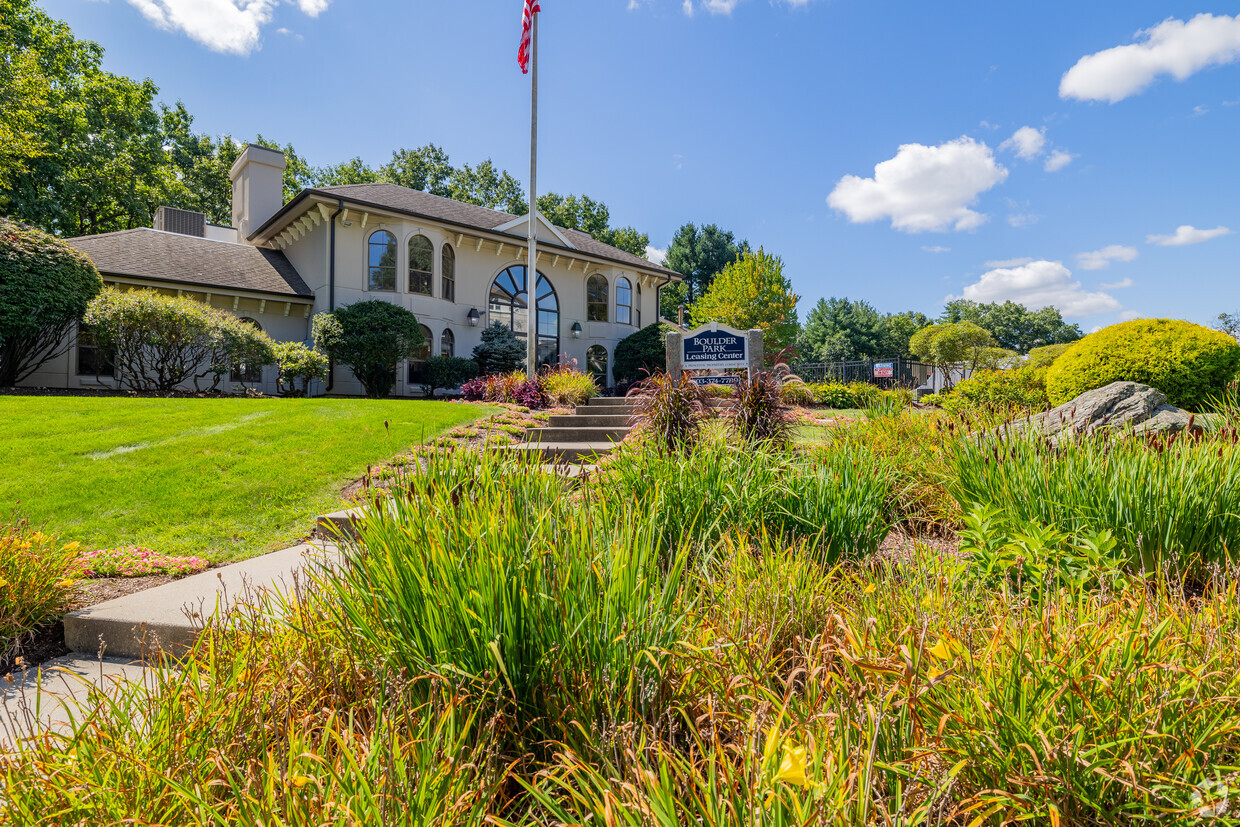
[264, 233]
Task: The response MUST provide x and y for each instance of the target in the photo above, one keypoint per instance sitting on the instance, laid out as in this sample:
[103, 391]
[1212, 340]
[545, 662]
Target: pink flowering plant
[134, 561]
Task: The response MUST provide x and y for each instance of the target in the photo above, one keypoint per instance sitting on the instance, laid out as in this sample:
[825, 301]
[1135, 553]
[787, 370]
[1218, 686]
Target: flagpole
[531, 269]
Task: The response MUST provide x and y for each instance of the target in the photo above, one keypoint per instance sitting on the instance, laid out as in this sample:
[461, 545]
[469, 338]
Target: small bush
[1021, 389]
[566, 386]
[796, 391]
[45, 287]
[531, 394]
[500, 352]
[641, 354]
[1187, 362]
[832, 395]
[475, 390]
[298, 366]
[37, 576]
[371, 337]
[1045, 356]
[671, 410]
[758, 412]
[447, 372]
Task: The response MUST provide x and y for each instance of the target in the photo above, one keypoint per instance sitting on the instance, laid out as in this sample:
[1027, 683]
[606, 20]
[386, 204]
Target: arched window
[418, 363]
[509, 305]
[421, 261]
[624, 301]
[638, 309]
[596, 298]
[381, 256]
[448, 263]
[447, 343]
[247, 373]
[596, 363]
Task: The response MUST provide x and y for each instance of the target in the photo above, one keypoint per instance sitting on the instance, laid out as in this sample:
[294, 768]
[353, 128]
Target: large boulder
[1117, 405]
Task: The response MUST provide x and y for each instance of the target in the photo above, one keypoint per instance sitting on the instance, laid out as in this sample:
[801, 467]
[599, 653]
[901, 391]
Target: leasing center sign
[715, 347]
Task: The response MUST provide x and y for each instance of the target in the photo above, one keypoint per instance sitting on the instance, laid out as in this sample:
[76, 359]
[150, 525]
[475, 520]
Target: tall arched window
[418, 363]
[638, 309]
[596, 363]
[596, 298]
[381, 256]
[421, 262]
[448, 263]
[447, 343]
[624, 301]
[509, 305]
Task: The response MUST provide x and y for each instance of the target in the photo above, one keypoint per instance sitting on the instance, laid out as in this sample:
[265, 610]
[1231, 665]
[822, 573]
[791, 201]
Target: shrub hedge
[640, 354]
[45, 286]
[1187, 362]
[1021, 388]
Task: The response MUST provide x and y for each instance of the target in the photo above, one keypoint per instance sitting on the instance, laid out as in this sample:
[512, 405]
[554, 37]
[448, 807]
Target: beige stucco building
[456, 266]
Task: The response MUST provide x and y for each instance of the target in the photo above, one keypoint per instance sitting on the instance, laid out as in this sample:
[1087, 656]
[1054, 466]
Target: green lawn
[224, 478]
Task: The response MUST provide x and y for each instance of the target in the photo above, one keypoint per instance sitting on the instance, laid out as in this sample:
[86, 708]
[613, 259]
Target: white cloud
[687, 6]
[1008, 262]
[655, 255]
[1129, 315]
[1173, 47]
[1058, 160]
[1023, 219]
[1101, 259]
[1116, 285]
[719, 6]
[1200, 109]
[1040, 284]
[313, 7]
[937, 249]
[230, 26]
[1186, 234]
[922, 187]
[1026, 142]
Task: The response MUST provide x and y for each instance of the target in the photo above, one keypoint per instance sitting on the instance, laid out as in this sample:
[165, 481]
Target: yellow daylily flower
[65, 584]
[948, 648]
[299, 781]
[792, 767]
[870, 589]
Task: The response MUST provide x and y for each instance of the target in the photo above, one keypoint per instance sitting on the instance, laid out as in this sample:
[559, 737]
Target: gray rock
[1118, 405]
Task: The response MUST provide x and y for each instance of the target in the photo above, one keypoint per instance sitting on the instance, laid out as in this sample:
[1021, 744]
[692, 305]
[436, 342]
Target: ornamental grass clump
[758, 411]
[670, 409]
[37, 580]
[1171, 502]
[483, 573]
[835, 500]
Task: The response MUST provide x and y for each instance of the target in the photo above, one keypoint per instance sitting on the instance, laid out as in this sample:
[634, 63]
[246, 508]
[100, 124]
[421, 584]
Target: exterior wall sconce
[576, 328]
[473, 316]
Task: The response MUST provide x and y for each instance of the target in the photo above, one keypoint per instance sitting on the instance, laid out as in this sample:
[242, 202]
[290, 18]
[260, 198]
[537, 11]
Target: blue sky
[1078, 154]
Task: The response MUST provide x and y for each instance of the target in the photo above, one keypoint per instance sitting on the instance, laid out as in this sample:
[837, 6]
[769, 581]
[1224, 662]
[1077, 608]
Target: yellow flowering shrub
[37, 580]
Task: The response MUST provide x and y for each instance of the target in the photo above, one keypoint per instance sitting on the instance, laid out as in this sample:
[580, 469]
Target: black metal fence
[886, 373]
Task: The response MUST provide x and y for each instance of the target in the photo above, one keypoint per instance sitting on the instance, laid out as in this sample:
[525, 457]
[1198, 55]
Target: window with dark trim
[596, 363]
[596, 299]
[421, 262]
[93, 360]
[417, 365]
[509, 305]
[381, 258]
[448, 264]
[638, 308]
[447, 343]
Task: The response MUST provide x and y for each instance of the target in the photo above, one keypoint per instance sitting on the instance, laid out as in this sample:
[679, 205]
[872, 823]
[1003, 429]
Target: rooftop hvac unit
[185, 222]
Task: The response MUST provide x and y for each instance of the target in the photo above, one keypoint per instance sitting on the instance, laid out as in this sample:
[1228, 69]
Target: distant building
[458, 267]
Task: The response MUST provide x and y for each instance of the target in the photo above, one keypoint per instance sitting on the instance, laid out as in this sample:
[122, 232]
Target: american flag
[527, 30]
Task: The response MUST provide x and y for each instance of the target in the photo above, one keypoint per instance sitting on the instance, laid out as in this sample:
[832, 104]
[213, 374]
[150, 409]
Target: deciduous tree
[753, 292]
[1013, 325]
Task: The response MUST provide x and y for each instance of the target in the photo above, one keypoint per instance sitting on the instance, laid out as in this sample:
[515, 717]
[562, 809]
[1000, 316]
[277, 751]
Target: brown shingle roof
[160, 256]
[437, 208]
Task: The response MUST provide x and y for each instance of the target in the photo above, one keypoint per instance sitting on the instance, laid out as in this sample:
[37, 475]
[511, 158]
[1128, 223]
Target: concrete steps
[583, 436]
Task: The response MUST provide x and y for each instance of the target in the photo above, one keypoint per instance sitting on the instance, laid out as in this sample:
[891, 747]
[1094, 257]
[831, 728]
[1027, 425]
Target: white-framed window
[421, 264]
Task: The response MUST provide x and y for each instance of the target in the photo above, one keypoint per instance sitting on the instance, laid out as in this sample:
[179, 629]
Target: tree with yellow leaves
[752, 292]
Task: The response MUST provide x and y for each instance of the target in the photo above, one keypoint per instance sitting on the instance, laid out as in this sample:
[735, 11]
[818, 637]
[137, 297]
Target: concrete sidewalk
[169, 617]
